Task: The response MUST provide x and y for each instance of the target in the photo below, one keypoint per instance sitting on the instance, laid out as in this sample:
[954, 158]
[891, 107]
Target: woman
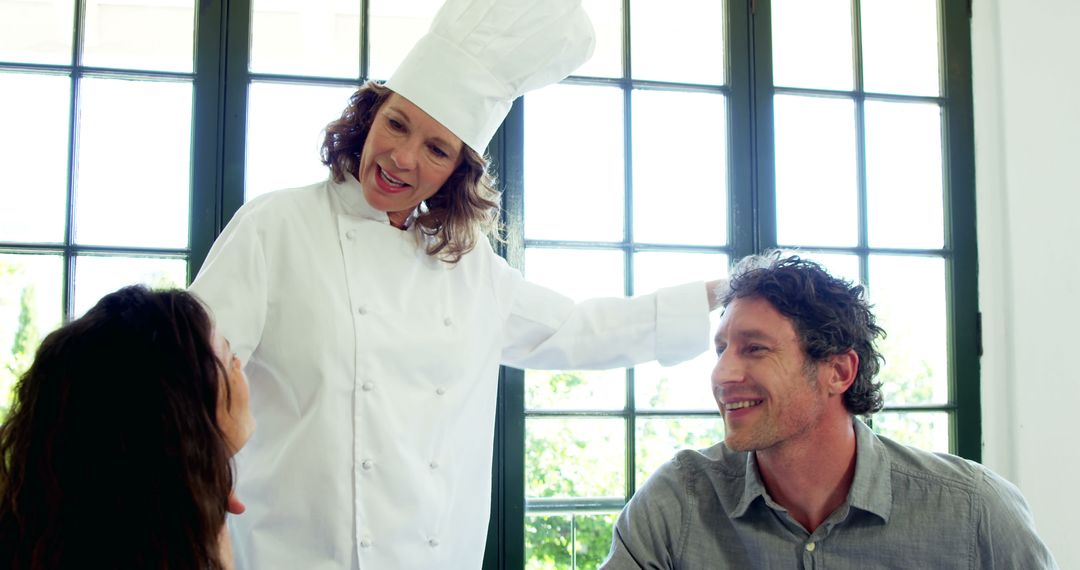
[373, 315]
[116, 452]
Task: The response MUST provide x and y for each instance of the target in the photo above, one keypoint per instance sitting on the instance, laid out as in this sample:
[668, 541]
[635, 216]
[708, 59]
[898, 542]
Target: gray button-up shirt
[906, 509]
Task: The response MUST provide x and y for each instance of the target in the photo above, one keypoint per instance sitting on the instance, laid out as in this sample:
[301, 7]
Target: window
[700, 132]
[95, 155]
[839, 129]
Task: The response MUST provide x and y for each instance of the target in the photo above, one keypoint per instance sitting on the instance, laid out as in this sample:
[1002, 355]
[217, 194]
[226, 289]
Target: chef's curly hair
[464, 208]
[830, 315]
[112, 455]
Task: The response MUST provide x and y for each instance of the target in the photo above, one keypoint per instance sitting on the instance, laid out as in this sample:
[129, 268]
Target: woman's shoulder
[285, 203]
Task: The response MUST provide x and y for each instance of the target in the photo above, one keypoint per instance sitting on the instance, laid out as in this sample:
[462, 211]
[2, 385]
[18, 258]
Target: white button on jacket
[319, 295]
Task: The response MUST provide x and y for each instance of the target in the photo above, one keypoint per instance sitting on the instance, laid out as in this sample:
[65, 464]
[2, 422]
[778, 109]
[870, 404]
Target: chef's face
[234, 412]
[406, 158]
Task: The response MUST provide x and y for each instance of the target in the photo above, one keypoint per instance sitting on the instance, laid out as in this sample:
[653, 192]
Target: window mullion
[763, 159]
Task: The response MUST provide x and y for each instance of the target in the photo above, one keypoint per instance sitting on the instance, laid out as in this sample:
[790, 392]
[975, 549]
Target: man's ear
[842, 369]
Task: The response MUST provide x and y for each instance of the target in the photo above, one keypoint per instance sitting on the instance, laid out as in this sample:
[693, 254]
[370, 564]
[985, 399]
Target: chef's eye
[395, 124]
[438, 151]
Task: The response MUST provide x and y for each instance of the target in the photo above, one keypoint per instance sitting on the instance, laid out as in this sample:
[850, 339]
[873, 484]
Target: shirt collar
[871, 488]
[351, 201]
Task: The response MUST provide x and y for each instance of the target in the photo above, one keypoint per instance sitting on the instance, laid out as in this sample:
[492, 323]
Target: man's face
[767, 394]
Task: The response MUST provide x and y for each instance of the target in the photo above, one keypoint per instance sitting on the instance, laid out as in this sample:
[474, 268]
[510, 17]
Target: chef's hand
[716, 291]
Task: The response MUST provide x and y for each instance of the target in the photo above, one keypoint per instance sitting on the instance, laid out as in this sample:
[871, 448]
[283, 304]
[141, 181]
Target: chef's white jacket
[373, 371]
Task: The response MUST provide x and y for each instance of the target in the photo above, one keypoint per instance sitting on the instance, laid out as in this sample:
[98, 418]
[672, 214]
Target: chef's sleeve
[232, 283]
[547, 330]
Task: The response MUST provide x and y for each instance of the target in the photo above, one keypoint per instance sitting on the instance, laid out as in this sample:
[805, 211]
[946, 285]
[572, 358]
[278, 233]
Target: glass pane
[812, 44]
[592, 539]
[903, 175]
[574, 457]
[841, 265]
[133, 185]
[666, 32]
[284, 133]
[395, 27]
[658, 439]
[684, 386]
[816, 184]
[567, 196]
[909, 300]
[305, 37]
[656, 269]
[33, 157]
[36, 31]
[549, 542]
[139, 34]
[97, 276]
[31, 305]
[579, 274]
[607, 20]
[680, 168]
[925, 430]
[574, 540]
[900, 46]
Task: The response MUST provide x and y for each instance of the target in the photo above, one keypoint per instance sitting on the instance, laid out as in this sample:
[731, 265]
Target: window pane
[656, 269]
[284, 133]
[36, 31]
[812, 44]
[900, 46]
[395, 27]
[607, 20]
[139, 34]
[574, 183]
[658, 439]
[549, 542]
[133, 183]
[33, 157]
[816, 197]
[305, 37]
[31, 305]
[909, 298]
[924, 430]
[579, 274]
[684, 386]
[97, 276]
[680, 168]
[574, 457]
[592, 539]
[903, 175]
[665, 32]
[841, 265]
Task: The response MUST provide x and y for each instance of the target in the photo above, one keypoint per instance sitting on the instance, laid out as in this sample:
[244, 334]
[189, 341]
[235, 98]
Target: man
[799, 482]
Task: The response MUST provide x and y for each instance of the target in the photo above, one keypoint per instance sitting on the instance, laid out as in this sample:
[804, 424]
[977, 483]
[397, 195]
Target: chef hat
[480, 55]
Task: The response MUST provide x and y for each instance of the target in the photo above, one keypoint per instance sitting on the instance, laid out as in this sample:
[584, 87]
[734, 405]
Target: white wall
[1027, 148]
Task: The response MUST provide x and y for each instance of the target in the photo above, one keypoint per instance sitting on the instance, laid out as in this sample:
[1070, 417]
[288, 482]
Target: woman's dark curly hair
[830, 316]
[112, 456]
[464, 208]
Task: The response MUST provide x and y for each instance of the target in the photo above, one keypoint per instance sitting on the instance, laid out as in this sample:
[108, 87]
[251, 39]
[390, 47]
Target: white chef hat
[480, 55]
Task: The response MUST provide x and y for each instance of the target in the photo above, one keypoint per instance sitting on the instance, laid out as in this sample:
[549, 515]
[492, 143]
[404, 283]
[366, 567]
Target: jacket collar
[871, 488]
[351, 201]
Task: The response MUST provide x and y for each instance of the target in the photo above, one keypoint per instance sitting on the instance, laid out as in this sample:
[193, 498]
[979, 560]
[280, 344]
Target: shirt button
[434, 465]
[367, 386]
[810, 546]
[365, 542]
[351, 234]
[367, 464]
[362, 310]
[440, 390]
[447, 321]
[433, 542]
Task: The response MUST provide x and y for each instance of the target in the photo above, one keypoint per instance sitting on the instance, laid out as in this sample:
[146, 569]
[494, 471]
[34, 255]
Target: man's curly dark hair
[829, 314]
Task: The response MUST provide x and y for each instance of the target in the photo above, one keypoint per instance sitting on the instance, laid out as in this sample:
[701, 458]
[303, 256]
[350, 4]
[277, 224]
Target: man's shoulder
[716, 462]
[907, 462]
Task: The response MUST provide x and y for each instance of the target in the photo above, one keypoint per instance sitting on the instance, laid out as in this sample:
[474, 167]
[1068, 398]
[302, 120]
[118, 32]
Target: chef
[372, 314]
